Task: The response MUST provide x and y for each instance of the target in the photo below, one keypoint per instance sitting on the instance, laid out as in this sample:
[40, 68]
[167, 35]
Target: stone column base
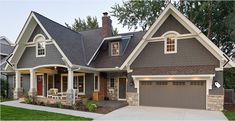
[32, 92]
[18, 93]
[215, 102]
[132, 98]
[69, 97]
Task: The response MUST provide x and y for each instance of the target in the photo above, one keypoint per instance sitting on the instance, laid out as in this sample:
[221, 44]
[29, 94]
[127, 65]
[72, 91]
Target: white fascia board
[44, 30]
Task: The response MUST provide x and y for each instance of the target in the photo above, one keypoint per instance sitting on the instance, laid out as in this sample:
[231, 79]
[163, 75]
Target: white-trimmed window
[115, 48]
[111, 83]
[170, 45]
[96, 82]
[79, 83]
[40, 45]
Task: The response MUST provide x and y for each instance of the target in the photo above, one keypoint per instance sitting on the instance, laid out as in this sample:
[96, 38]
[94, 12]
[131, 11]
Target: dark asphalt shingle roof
[69, 41]
[104, 60]
[79, 47]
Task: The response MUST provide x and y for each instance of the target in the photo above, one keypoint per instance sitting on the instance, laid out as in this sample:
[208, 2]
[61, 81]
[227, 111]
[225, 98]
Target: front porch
[61, 83]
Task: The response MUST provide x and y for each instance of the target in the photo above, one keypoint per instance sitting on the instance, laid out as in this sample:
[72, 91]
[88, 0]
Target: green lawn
[230, 115]
[13, 113]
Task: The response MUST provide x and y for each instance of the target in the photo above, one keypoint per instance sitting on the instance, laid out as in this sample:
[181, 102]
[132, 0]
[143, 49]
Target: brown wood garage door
[179, 94]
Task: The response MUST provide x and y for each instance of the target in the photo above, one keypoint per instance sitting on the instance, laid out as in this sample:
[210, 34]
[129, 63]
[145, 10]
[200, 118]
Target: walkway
[16, 103]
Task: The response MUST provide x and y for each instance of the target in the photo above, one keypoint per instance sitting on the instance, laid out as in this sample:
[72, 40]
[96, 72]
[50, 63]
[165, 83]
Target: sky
[14, 13]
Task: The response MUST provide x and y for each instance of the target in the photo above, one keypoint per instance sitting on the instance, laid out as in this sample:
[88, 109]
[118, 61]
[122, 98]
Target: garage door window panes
[178, 83]
[197, 83]
[161, 83]
[146, 83]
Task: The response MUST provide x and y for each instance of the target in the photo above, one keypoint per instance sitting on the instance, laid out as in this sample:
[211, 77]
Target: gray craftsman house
[172, 64]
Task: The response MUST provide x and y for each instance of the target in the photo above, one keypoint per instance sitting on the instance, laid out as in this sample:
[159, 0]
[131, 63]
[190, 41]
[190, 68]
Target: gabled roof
[104, 60]
[70, 42]
[171, 10]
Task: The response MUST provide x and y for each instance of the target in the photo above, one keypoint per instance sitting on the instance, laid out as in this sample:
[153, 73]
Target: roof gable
[171, 24]
[171, 10]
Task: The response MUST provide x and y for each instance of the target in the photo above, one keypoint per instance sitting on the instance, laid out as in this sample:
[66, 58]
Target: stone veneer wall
[132, 98]
[215, 102]
[112, 94]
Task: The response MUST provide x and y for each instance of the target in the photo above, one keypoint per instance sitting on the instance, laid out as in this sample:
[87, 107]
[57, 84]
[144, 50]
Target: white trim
[75, 74]
[175, 42]
[107, 38]
[62, 53]
[111, 48]
[8, 41]
[118, 88]
[37, 42]
[98, 76]
[48, 65]
[207, 77]
[44, 30]
[219, 69]
[187, 24]
[3, 53]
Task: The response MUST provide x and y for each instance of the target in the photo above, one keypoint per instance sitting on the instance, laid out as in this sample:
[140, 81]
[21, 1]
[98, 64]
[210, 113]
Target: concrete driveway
[157, 113]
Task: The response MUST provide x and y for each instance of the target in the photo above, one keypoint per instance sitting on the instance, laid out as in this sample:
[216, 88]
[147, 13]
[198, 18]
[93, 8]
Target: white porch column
[70, 79]
[18, 91]
[32, 90]
[70, 87]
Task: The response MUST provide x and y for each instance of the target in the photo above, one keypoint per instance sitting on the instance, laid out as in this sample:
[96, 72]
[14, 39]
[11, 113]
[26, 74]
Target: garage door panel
[173, 95]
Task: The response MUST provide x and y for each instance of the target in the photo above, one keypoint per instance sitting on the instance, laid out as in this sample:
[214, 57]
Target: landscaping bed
[80, 105]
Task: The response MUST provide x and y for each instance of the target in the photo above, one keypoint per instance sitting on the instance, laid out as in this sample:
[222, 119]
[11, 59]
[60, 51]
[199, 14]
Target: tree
[136, 13]
[81, 25]
[89, 23]
[229, 78]
[216, 19]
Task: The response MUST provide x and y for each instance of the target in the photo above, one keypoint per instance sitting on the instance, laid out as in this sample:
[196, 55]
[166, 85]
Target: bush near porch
[82, 105]
[13, 113]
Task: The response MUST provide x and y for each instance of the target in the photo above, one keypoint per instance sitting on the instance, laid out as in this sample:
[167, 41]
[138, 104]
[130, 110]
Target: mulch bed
[101, 110]
[229, 107]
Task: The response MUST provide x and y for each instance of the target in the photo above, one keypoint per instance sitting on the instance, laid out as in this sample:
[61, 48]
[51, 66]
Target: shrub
[79, 105]
[59, 105]
[4, 87]
[28, 99]
[91, 106]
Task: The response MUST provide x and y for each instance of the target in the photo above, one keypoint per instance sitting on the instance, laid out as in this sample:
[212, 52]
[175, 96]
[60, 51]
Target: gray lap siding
[29, 59]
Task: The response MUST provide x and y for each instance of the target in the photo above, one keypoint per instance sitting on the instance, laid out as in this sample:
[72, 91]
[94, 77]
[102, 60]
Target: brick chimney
[106, 25]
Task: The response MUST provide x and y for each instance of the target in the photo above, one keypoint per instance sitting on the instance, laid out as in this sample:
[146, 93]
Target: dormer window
[115, 48]
[170, 44]
[40, 46]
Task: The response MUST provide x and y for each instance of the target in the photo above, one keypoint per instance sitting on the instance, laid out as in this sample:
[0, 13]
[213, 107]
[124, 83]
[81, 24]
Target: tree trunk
[209, 19]
[181, 6]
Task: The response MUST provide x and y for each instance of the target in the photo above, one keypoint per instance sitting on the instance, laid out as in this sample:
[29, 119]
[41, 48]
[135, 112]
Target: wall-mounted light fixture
[217, 84]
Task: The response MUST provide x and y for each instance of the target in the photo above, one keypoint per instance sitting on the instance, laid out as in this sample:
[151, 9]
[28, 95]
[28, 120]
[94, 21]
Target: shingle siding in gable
[171, 24]
[36, 31]
[29, 59]
[189, 53]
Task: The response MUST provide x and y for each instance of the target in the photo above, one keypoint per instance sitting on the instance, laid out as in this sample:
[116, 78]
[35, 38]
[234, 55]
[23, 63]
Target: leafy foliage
[82, 25]
[4, 87]
[216, 19]
[229, 78]
[91, 106]
[136, 13]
